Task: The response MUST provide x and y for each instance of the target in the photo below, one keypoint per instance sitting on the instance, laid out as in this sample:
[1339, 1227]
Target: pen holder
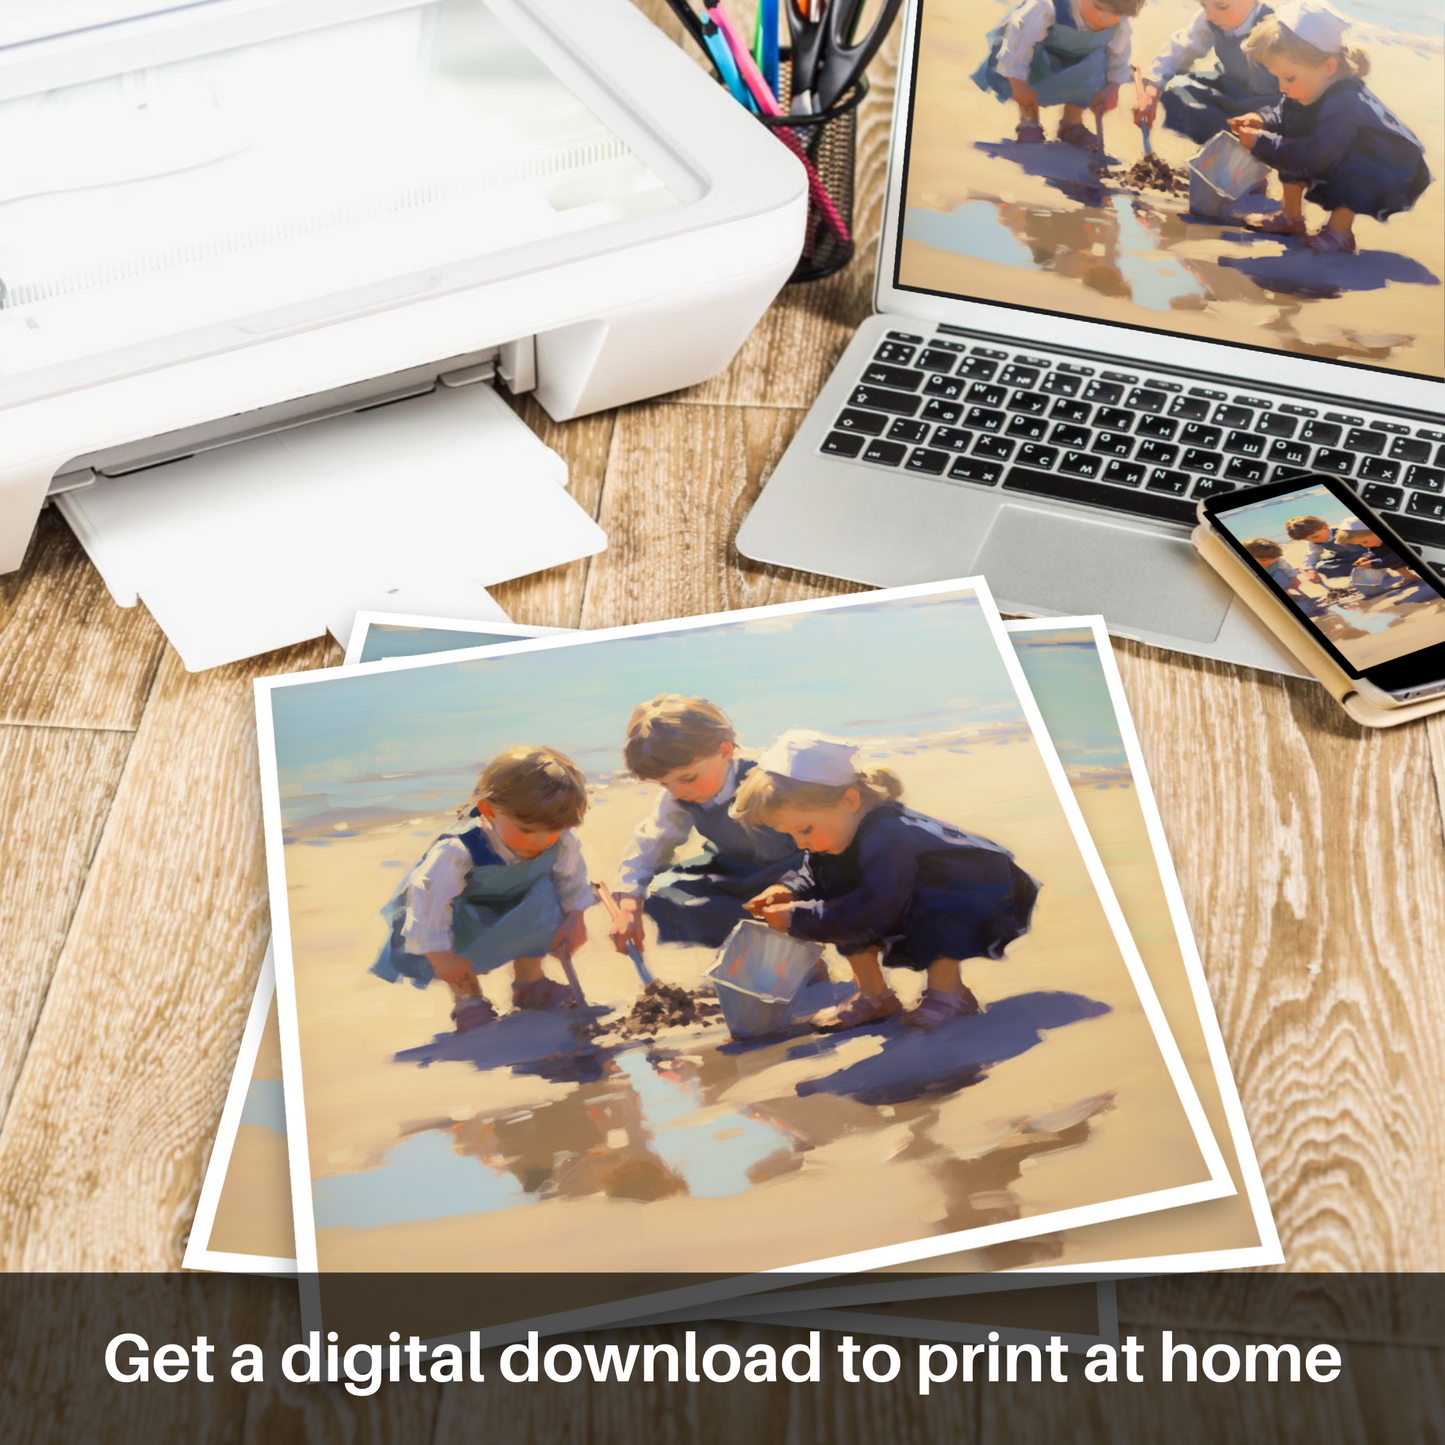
[827, 142]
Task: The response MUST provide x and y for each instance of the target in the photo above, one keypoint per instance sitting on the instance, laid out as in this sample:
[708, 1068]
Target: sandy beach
[1038, 226]
[563, 1145]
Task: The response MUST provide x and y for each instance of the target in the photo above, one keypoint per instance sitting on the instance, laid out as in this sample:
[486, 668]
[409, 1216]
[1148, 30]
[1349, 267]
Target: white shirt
[1026, 27]
[656, 839]
[437, 881]
[1192, 43]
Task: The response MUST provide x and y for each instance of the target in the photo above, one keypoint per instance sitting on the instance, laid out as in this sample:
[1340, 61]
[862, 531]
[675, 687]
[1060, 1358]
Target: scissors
[828, 56]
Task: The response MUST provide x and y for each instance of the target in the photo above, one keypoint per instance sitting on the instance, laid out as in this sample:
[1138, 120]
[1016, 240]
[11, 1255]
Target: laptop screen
[1285, 195]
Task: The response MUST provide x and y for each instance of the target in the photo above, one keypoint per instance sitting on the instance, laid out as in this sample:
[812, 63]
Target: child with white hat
[1331, 139]
[883, 884]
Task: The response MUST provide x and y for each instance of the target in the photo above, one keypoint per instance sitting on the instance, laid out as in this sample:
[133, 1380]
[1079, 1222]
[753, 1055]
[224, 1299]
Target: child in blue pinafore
[1270, 556]
[688, 746]
[507, 883]
[1381, 569]
[1327, 559]
[1073, 53]
[1200, 102]
[1332, 140]
[883, 884]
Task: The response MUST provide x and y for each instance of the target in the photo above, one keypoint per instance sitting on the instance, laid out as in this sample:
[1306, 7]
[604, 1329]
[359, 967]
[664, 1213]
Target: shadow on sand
[1297, 271]
[913, 1065]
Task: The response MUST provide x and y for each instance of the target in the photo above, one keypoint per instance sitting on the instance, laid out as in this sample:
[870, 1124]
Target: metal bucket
[1220, 174]
[758, 977]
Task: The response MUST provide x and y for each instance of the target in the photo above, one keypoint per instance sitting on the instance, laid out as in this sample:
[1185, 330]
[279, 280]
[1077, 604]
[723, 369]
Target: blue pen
[727, 67]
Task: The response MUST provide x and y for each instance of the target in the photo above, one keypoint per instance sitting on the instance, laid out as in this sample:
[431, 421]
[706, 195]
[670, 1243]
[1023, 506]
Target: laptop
[1060, 367]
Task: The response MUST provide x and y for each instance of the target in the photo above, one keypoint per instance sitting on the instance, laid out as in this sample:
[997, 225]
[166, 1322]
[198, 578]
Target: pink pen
[768, 105]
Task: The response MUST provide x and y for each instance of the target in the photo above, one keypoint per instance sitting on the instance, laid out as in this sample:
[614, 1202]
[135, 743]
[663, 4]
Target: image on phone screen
[1340, 577]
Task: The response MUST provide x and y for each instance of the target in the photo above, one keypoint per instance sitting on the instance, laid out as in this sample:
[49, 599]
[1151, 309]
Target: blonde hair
[538, 787]
[672, 731]
[763, 793]
[1271, 40]
[1263, 550]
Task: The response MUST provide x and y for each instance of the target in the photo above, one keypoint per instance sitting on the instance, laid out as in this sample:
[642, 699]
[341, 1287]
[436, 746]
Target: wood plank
[679, 482]
[69, 657]
[1315, 880]
[56, 786]
[554, 598]
[114, 1111]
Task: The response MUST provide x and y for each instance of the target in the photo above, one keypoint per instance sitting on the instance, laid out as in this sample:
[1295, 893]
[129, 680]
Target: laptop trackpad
[1071, 564]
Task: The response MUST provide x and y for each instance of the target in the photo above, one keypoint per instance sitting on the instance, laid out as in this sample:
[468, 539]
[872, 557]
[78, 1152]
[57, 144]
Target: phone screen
[1369, 604]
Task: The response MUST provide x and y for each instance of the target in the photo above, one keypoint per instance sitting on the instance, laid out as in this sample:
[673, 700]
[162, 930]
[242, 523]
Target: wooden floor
[1311, 855]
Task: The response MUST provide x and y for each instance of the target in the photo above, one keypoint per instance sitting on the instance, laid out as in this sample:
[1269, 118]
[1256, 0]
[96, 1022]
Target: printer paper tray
[417, 507]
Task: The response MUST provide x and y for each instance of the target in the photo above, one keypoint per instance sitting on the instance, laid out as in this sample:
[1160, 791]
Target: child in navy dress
[507, 883]
[1328, 559]
[1200, 102]
[1270, 556]
[688, 746]
[1381, 569]
[1331, 139]
[1073, 53]
[883, 884]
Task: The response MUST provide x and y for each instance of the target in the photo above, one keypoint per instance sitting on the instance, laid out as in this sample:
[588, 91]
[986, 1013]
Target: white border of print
[1215, 1186]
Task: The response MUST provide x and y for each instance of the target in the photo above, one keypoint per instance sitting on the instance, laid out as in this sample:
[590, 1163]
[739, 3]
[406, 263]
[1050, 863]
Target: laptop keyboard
[1138, 443]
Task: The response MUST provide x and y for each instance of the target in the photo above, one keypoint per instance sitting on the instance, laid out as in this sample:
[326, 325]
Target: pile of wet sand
[1152, 173]
[665, 1005]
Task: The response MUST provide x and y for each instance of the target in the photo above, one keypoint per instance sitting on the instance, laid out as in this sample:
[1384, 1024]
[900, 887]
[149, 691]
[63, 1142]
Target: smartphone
[1343, 573]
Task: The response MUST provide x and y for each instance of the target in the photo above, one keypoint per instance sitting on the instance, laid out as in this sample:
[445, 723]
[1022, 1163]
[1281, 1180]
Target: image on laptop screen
[1322, 234]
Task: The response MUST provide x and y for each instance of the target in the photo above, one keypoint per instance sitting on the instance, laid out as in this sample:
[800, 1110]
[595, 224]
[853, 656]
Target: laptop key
[1244, 444]
[1377, 469]
[1031, 428]
[878, 398]
[1161, 479]
[1112, 444]
[1367, 443]
[1426, 479]
[1081, 464]
[905, 429]
[1195, 435]
[1019, 375]
[1288, 453]
[985, 395]
[1272, 424]
[1382, 499]
[1156, 454]
[955, 439]
[843, 444]
[1322, 433]
[982, 419]
[1070, 436]
[1099, 494]
[1061, 383]
[1113, 418]
[1243, 469]
[945, 411]
[886, 454]
[977, 368]
[1419, 531]
[932, 359]
[1075, 411]
[1189, 408]
[1143, 399]
[1199, 460]
[1408, 449]
[1156, 426]
[878, 374]
[923, 459]
[1421, 505]
[905, 336]
[1107, 392]
[949, 387]
[972, 469]
[1043, 457]
[1124, 474]
[895, 353]
[1210, 487]
[1332, 459]
[1235, 416]
[1035, 403]
[998, 449]
[867, 422]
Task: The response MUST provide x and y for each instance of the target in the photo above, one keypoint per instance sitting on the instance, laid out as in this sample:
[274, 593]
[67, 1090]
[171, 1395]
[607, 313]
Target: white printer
[232, 230]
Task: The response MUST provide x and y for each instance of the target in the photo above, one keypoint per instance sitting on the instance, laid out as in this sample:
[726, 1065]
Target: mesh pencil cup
[827, 144]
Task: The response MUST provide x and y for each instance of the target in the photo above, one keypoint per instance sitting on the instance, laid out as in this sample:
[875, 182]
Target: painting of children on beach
[1366, 599]
[1232, 170]
[858, 791]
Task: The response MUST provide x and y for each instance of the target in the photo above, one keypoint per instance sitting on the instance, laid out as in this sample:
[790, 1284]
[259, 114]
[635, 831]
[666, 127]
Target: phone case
[1262, 602]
